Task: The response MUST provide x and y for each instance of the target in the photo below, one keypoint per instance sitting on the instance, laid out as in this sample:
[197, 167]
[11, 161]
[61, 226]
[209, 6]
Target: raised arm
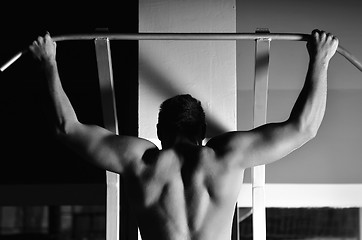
[273, 141]
[98, 145]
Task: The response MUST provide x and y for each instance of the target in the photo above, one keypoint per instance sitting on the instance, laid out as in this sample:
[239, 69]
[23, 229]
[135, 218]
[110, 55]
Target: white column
[262, 48]
[105, 75]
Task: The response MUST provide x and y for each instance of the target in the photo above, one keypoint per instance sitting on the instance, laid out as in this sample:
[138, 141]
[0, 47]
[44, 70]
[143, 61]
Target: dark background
[29, 152]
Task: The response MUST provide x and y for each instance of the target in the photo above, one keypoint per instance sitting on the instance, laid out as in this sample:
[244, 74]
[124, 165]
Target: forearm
[309, 109]
[63, 111]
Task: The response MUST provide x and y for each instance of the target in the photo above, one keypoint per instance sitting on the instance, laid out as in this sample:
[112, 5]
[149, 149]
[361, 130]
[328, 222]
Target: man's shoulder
[221, 143]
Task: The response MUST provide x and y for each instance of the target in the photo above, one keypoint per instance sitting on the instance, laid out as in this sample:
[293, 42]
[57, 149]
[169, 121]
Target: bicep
[272, 142]
[263, 145]
[105, 149]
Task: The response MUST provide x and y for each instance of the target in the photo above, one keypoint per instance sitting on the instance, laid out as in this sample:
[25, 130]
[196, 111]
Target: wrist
[319, 61]
[49, 63]
[49, 67]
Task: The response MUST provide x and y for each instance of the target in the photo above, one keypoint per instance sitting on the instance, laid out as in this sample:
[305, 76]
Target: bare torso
[185, 192]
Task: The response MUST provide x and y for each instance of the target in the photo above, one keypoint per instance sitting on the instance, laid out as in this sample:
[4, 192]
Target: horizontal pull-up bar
[193, 37]
[185, 36]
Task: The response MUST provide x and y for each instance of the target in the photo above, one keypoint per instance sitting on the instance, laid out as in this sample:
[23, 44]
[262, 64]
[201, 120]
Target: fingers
[322, 45]
[319, 35]
[43, 48]
[319, 38]
[47, 36]
[315, 33]
[42, 40]
[322, 35]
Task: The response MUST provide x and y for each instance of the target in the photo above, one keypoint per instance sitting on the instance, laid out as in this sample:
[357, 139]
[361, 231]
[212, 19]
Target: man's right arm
[98, 145]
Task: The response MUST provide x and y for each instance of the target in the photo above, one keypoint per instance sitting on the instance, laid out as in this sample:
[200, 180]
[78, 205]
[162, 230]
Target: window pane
[307, 223]
[53, 222]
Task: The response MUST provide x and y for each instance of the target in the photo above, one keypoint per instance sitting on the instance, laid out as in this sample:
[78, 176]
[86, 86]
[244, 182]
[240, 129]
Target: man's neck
[181, 140]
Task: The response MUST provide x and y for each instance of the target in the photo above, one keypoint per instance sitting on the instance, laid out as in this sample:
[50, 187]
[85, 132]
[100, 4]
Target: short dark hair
[182, 114]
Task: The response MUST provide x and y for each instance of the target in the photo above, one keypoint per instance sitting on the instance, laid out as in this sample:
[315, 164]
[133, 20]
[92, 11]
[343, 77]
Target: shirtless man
[187, 191]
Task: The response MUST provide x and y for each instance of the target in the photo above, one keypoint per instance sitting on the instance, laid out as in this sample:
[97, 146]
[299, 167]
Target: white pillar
[262, 48]
[105, 74]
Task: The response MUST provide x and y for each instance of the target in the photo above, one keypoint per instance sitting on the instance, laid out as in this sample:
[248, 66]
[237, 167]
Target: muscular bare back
[185, 192]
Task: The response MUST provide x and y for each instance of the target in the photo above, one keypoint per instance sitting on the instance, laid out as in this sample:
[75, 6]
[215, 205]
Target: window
[307, 223]
[52, 222]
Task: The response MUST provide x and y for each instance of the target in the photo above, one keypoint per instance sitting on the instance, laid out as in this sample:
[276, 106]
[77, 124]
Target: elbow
[306, 125]
[65, 128]
[314, 128]
[312, 133]
[309, 131]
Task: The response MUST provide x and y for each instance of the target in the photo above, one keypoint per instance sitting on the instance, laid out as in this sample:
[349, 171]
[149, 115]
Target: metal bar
[11, 61]
[185, 36]
[262, 50]
[104, 64]
[352, 59]
[190, 36]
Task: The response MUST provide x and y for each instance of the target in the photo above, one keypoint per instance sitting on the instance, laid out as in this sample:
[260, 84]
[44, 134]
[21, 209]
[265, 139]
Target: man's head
[181, 115]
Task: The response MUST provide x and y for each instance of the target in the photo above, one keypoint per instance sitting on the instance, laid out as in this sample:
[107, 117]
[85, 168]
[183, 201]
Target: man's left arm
[273, 141]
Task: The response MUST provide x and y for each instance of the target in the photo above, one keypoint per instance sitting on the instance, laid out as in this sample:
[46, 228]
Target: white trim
[105, 75]
[305, 195]
[261, 79]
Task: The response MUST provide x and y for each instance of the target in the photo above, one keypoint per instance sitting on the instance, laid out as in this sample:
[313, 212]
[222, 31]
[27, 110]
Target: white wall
[206, 70]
